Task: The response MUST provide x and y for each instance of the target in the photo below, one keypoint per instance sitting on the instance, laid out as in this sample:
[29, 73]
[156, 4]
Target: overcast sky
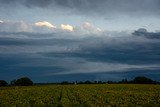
[56, 40]
[106, 14]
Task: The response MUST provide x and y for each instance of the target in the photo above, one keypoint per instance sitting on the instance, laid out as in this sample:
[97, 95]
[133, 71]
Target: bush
[13, 82]
[24, 81]
[3, 83]
[143, 80]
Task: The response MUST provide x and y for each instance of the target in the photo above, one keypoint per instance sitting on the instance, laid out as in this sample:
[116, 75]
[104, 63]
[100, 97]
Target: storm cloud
[94, 8]
[145, 33]
[91, 54]
[57, 40]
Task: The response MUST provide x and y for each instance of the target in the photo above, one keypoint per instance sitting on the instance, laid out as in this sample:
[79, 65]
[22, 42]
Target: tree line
[136, 80]
[25, 81]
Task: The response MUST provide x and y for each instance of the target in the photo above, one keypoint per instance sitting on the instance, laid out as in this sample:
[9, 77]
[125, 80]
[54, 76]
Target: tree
[13, 82]
[87, 82]
[24, 81]
[3, 83]
[65, 82]
[100, 82]
[124, 81]
[143, 80]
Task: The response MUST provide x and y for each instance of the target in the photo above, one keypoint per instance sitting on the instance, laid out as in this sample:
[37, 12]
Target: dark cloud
[143, 32]
[39, 69]
[96, 7]
[38, 3]
[130, 53]
[42, 56]
[8, 1]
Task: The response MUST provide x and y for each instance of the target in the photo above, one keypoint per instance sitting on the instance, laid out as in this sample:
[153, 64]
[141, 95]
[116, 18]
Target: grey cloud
[96, 7]
[112, 8]
[122, 49]
[39, 56]
[8, 1]
[143, 32]
[38, 67]
[24, 42]
[42, 53]
[39, 3]
[74, 67]
[15, 26]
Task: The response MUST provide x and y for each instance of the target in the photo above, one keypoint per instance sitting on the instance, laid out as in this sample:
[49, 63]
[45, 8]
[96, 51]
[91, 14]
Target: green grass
[100, 95]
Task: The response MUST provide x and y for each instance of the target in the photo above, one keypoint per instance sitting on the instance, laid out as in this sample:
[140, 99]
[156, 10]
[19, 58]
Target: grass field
[100, 95]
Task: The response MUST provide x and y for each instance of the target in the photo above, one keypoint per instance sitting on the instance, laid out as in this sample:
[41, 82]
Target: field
[100, 95]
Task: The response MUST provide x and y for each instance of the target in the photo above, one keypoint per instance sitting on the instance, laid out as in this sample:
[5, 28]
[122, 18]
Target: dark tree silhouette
[13, 82]
[87, 82]
[24, 81]
[143, 80]
[65, 82]
[3, 83]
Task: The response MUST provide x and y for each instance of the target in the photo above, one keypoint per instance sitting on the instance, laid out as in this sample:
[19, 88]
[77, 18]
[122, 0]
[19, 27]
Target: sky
[69, 40]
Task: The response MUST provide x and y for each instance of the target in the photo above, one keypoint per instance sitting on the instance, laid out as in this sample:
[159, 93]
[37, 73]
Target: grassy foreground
[100, 95]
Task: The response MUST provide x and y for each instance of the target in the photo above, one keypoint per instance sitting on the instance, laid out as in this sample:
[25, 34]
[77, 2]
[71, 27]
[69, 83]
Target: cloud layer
[53, 40]
[96, 7]
[8, 26]
[59, 53]
[145, 33]
[106, 14]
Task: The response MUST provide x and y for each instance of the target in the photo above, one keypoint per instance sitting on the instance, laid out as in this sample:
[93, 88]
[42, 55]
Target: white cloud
[44, 27]
[47, 27]
[21, 26]
[87, 25]
[15, 26]
[67, 27]
[45, 23]
[88, 28]
[1, 21]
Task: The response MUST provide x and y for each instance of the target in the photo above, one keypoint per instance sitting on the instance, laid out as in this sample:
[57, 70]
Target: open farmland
[121, 95]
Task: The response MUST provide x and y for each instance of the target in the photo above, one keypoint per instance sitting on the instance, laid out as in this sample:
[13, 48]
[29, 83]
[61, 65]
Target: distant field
[121, 95]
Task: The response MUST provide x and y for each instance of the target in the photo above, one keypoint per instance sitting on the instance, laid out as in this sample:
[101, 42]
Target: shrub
[24, 81]
[3, 83]
[143, 80]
